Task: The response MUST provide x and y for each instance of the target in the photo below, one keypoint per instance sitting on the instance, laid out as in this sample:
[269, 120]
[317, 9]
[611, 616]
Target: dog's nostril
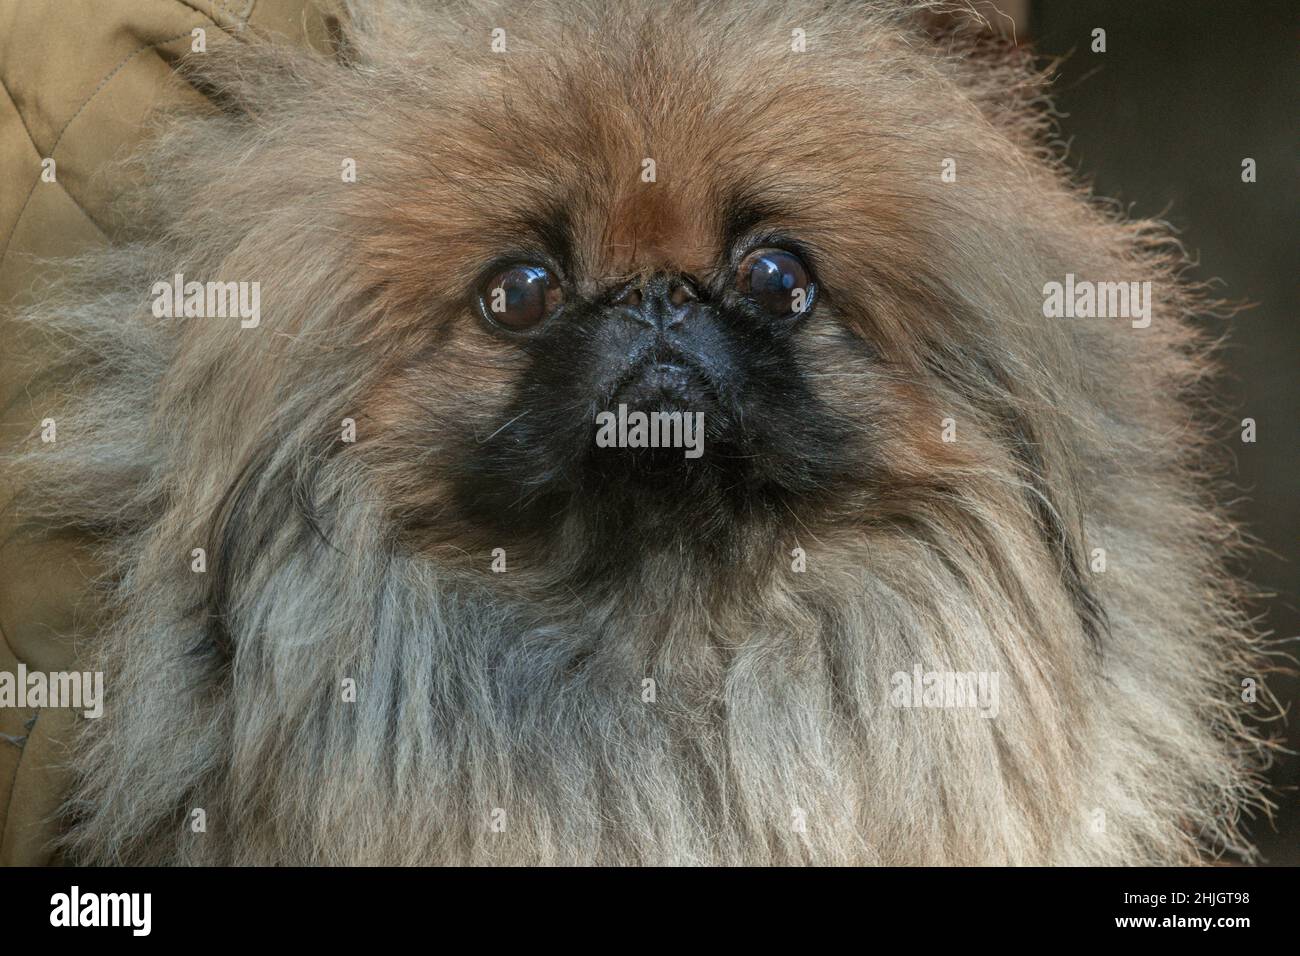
[681, 294]
[661, 290]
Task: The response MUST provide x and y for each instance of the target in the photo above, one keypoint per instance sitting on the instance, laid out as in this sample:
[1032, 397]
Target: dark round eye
[519, 297]
[776, 280]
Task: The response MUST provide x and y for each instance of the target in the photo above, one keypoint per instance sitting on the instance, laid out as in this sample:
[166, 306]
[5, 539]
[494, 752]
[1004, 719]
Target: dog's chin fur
[510, 717]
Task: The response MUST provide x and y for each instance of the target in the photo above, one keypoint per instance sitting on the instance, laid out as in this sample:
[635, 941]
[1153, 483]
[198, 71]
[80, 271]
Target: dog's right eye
[520, 297]
[776, 280]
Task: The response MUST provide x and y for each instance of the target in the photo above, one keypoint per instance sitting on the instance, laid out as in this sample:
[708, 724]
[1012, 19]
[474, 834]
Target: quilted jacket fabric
[78, 82]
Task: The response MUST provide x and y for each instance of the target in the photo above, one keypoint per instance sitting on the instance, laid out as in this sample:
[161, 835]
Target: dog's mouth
[655, 417]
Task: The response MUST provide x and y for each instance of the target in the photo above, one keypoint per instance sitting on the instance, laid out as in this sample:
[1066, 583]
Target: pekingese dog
[643, 433]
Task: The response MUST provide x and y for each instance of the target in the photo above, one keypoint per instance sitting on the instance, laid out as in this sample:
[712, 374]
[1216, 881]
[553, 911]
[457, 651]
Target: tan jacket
[78, 79]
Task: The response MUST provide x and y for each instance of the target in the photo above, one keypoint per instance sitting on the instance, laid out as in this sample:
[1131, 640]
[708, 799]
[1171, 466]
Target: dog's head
[797, 256]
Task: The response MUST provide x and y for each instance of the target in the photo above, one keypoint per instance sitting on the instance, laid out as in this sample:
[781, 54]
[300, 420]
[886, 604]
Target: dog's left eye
[776, 281]
[521, 296]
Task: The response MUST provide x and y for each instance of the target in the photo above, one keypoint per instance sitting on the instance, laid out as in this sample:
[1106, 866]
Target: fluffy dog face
[667, 234]
[679, 343]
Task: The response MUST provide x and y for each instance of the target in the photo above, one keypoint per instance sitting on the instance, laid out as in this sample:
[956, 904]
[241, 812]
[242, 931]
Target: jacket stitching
[58, 139]
[30, 725]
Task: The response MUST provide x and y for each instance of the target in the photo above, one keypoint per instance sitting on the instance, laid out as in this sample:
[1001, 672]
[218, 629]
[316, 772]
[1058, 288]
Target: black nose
[662, 301]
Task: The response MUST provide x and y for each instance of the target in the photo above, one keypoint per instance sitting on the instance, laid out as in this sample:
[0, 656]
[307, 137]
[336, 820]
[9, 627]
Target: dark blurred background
[1162, 121]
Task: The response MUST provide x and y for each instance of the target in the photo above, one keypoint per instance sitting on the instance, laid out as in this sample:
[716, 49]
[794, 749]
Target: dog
[630, 433]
